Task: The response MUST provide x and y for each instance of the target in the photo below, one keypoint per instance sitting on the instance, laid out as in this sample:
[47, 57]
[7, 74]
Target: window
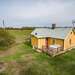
[73, 31]
[35, 33]
[53, 41]
[70, 41]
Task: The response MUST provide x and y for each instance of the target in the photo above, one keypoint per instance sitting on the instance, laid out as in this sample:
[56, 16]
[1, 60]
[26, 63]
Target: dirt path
[10, 51]
[13, 49]
[14, 67]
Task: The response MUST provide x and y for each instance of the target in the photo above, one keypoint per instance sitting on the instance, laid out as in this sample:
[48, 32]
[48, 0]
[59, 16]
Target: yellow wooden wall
[41, 42]
[67, 44]
[57, 41]
[34, 41]
[50, 41]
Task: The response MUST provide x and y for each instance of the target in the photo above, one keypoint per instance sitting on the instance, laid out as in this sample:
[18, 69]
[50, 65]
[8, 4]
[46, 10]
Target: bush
[5, 39]
[28, 41]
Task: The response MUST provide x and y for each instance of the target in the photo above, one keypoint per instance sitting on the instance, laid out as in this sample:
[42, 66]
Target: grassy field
[21, 59]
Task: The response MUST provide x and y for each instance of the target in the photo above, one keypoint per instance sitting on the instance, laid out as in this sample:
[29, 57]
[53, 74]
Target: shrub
[5, 39]
[28, 41]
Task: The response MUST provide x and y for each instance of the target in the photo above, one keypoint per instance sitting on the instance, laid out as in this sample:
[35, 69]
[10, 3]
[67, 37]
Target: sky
[18, 13]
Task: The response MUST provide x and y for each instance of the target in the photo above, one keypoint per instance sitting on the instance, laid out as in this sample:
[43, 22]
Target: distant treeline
[23, 28]
[29, 28]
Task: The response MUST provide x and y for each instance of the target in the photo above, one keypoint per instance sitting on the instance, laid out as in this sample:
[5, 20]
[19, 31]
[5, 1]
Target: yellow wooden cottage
[54, 40]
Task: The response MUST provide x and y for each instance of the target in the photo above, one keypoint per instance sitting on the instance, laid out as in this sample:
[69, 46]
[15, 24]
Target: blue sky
[18, 13]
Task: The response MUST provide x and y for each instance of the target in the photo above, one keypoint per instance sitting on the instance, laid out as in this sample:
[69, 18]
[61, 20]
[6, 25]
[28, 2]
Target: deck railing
[52, 51]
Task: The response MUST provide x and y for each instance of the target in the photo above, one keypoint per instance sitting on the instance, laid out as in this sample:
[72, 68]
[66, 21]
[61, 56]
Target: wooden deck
[52, 51]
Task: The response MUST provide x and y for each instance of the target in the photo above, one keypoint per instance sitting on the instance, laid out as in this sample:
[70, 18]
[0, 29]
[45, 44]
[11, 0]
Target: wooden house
[53, 40]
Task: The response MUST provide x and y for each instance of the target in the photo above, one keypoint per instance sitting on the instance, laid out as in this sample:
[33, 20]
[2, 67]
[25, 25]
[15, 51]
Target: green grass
[21, 50]
[33, 63]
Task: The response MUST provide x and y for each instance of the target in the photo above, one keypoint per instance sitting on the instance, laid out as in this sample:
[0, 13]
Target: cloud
[40, 11]
[36, 11]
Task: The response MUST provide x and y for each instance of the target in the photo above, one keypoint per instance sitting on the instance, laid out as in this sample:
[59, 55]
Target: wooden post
[4, 25]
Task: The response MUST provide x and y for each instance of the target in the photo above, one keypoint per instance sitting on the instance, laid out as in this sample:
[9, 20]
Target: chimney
[53, 26]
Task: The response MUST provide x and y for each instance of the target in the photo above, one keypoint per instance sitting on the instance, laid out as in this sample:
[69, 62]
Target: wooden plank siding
[69, 41]
[52, 41]
[41, 42]
[34, 41]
